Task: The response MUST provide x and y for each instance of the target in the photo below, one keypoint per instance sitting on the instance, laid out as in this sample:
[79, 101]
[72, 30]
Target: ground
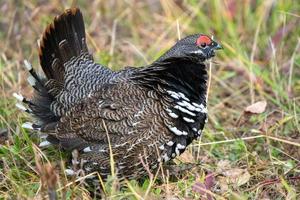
[250, 148]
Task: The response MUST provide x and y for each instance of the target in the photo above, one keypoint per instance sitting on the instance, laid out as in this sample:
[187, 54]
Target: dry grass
[240, 156]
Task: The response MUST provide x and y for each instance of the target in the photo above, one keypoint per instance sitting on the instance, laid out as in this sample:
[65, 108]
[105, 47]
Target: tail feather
[21, 101]
[62, 40]
[29, 125]
[29, 68]
[34, 79]
[19, 97]
[39, 106]
[23, 108]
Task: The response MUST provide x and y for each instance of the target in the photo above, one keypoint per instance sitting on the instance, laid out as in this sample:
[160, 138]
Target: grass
[240, 156]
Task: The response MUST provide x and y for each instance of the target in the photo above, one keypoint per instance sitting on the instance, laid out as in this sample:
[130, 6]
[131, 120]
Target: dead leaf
[237, 176]
[271, 120]
[223, 165]
[256, 108]
[186, 157]
[230, 176]
[222, 184]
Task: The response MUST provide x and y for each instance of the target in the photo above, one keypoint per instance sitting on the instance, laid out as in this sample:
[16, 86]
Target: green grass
[251, 157]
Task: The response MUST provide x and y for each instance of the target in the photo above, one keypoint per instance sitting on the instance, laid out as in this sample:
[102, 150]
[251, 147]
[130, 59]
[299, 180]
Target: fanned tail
[63, 40]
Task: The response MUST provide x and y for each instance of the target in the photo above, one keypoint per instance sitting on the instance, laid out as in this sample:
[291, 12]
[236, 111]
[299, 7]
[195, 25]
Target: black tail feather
[34, 79]
[62, 40]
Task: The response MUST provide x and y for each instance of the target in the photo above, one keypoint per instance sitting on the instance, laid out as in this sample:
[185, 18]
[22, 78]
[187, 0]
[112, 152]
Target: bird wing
[122, 114]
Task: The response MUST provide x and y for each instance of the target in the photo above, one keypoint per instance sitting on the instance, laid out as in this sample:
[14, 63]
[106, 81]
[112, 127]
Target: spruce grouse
[143, 116]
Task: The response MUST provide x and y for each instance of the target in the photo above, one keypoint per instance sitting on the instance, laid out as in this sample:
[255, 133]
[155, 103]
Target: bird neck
[179, 74]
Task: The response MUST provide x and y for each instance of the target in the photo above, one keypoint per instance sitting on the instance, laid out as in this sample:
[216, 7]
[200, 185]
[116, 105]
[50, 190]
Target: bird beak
[218, 47]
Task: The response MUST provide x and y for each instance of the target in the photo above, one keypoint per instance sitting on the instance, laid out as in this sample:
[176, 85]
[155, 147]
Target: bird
[139, 117]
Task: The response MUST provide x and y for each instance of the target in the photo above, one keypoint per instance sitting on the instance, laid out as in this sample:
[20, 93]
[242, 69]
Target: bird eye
[203, 44]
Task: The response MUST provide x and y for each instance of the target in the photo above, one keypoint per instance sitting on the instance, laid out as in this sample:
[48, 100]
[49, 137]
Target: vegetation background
[248, 150]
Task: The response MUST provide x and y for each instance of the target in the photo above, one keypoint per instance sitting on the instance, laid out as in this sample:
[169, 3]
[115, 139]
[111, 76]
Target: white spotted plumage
[173, 115]
[184, 110]
[162, 147]
[165, 157]
[188, 120]
[44, 144]
[197, 105]
[183, 96]
[188, 106]
[170, 143]
[180, 146]
[176, 131]
[199, 132]
[173, 94]
[87, 149]
[69, 172]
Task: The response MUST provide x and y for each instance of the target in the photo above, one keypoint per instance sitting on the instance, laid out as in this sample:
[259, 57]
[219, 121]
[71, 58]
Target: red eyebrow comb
[203, 39]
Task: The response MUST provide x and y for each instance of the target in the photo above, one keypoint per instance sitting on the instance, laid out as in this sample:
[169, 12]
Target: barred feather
[146, 115]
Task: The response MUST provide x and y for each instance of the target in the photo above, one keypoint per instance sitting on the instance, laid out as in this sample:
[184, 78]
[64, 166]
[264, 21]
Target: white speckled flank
[197, 105]
[188, 120]
[199, 132]
[44, 144]
[184, 110]
[180, 146]
[188, 106]
[69, 172]
[87, 149]
[165, 157]
[170, 143]
[177, 132]
[173, 94]
[172, 114]
[203, 109]
[177, 95]
[183, 96]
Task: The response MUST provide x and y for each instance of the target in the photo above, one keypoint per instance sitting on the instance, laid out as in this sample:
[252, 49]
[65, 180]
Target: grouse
[139, 117]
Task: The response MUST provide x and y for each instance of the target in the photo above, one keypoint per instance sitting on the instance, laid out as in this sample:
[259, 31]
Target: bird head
[199, 46]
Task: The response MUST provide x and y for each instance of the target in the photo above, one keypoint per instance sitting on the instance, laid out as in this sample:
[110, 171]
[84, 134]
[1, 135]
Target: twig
[272, 181]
